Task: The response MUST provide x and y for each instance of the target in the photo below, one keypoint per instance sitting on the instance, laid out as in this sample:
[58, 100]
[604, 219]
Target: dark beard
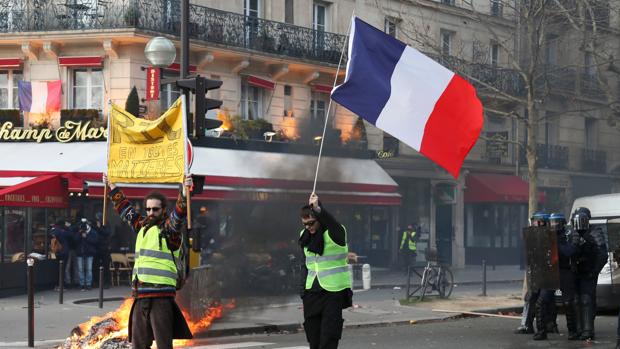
[151, 221]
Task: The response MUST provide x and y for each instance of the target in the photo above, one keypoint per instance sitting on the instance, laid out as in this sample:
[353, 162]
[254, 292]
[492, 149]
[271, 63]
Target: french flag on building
[410, 96]
[39, 97]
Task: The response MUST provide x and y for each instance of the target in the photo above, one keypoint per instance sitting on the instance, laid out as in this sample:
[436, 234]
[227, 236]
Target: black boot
[587, 318]
[571, 321]
[552, 325]
[541, 328]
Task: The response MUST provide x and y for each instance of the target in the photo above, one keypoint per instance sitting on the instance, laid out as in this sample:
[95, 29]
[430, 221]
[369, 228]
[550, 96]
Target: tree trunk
[532, 158]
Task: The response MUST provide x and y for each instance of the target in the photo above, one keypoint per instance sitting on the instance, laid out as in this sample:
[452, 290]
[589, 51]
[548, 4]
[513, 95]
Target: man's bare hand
[188, 183]
[105, 181]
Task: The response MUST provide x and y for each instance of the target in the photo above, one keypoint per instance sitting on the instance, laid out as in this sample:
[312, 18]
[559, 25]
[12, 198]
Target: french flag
[410, 96]
[39, 97]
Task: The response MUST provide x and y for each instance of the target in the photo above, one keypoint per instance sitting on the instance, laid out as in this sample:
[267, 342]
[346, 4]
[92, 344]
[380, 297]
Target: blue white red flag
[39, 97]
[410, 96]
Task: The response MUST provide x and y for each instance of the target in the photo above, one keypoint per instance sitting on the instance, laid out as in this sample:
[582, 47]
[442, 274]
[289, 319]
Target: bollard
[350, 266]
[366, 276]
[484, 278]
[30, 277]
[61, 281]
[100, 287]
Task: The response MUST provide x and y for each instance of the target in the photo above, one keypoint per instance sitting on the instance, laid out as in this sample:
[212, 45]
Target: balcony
[590, 87]
[557, 80]
[549, 156]
[593, 161]
[163, 17]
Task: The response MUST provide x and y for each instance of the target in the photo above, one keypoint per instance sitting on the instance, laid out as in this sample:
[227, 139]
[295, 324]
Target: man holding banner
[152, 151]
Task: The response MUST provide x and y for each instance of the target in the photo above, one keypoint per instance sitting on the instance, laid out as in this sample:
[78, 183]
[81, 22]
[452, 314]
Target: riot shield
[542, 258]
[613, 247]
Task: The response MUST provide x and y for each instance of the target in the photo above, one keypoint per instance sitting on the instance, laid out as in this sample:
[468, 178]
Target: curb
[94, 300]
[297, 327]
[465, 283]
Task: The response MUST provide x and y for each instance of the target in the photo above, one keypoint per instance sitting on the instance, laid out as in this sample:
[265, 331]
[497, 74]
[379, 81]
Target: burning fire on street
[110, 331]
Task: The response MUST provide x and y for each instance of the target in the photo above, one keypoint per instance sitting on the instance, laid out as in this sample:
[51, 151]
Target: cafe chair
[119, 265]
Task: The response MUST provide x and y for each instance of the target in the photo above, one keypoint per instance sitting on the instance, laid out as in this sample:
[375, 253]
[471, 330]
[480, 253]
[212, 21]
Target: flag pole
[188, 201]
[329, 106]
[105, 185]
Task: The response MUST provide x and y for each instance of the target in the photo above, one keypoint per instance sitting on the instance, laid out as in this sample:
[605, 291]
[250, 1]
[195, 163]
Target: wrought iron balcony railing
[593, 160]
[590, 87]
[549, 156]
[163, 16]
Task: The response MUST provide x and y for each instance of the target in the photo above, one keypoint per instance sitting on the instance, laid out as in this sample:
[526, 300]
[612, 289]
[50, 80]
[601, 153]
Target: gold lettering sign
[71, 131]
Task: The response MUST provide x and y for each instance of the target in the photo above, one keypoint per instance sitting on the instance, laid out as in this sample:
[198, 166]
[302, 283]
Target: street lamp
[160, 51]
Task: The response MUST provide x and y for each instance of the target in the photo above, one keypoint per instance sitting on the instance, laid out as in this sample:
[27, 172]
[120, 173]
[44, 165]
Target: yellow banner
[147, 151]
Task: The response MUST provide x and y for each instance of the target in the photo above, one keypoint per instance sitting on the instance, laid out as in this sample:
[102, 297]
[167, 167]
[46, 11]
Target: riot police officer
[538, 219]
[591, 257]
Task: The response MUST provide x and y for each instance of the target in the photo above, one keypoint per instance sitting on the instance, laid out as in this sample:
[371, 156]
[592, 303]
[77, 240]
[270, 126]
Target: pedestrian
[85, 253]
[204, 236]
[102, 257]
[591, 258]
[154, 314]
[325, 280]
[538, 219]
[60, 245]
[408, 246]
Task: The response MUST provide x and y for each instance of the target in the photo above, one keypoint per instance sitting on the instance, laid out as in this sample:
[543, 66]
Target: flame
[222, 115]
[121, 318]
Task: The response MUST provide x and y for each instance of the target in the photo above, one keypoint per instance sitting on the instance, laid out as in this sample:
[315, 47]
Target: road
[467, 333]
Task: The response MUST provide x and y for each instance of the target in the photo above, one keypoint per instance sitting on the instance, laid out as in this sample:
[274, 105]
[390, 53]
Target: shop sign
[152, 84]
[71, 131]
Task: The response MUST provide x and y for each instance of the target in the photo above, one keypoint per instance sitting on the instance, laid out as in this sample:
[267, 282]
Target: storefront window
[14, 237]
[494, 225]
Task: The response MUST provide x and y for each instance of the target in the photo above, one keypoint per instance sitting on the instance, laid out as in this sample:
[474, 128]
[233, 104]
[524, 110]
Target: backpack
[55, 245]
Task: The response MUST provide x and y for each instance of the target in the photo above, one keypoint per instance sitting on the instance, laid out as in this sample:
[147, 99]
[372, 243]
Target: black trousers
[323, 319]
[152, 319]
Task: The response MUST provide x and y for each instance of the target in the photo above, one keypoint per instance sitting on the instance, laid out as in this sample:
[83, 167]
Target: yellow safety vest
[154, 265]
[412, 245]
[331, 268]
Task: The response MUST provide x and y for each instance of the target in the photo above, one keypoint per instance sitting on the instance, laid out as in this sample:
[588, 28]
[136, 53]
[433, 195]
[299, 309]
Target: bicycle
[434, 277]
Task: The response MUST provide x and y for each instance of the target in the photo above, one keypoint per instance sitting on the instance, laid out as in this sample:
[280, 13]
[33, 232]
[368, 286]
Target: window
[252, 8]
[390, 27]
[448, 2]
[446, 41]
[590, 65]
[496, 8]
[590, 133]
[169, 92]
[319, 22]
[551, 50]
[251, 101]
[318, 108]
[87, 89]
[494, 53]
[551, 131]
[8, 88]
[288, 11]
[288, 100]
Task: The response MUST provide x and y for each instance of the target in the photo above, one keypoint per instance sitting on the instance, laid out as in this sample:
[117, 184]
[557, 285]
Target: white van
[605, 211]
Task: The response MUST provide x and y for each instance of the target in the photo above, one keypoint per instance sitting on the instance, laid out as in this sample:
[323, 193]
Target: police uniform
[325, 283]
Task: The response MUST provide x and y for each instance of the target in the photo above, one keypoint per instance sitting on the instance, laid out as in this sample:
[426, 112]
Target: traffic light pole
[184, 72]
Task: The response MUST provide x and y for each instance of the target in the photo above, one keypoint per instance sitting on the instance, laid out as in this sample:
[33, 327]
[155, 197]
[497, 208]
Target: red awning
[322, 88]
[10, 63]
[177, 67]
[83, 61]
[497, 188]
[260, 82]
[43, 191]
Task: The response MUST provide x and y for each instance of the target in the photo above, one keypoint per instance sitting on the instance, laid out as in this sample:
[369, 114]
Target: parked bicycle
[435, 277]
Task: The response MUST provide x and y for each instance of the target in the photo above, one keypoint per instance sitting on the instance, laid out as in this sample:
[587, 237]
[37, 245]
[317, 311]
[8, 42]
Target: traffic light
[200, 85]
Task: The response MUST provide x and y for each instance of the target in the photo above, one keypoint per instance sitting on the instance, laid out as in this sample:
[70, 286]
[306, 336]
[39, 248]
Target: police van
[605, 211]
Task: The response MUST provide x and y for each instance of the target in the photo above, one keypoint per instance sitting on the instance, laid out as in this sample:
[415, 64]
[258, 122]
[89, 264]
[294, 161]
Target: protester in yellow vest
[408, 246]
[326, 282]
[154, 313]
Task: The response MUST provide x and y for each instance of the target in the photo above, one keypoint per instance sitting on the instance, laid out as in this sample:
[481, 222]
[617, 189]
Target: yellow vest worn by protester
[331, 268]
[411, 235]
[154, 263]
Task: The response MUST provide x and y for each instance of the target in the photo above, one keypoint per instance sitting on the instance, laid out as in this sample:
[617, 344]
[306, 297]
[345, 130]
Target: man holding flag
[152, 151]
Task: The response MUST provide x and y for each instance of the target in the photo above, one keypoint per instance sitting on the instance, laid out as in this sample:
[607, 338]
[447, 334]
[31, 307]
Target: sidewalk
[54, 322]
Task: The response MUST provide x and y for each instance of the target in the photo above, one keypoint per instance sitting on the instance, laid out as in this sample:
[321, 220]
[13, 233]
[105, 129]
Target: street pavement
[376, 307]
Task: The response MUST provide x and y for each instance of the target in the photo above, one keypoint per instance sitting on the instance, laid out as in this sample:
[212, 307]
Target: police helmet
[539, 219]
[584, 210]
[557, 221]
[581, 220]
